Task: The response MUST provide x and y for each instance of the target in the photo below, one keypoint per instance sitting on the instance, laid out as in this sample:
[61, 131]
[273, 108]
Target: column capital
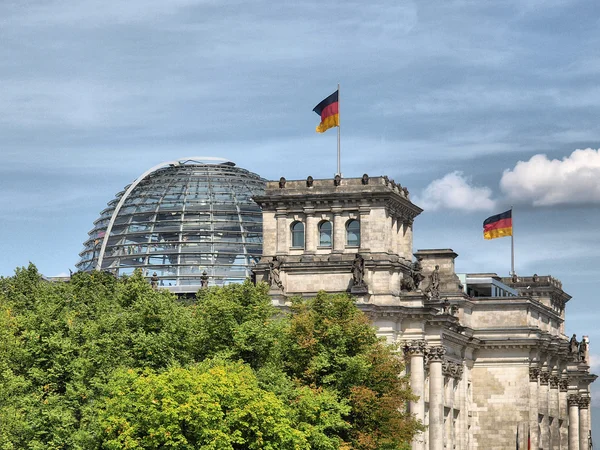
[534, 374]
[417, 347]
[573, 400]
[436, 354]
[452, 369]
[563, 384]
[554, 381]
[584, 402]
[544, 378]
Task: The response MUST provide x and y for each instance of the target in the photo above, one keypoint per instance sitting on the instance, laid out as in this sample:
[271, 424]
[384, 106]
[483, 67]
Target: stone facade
[482, 367]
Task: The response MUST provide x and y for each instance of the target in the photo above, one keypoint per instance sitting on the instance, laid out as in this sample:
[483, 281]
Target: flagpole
[512, 243]
[339, 168]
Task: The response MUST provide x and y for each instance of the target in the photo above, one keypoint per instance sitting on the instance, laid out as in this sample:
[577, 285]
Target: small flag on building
[328, 109]
[498, 226]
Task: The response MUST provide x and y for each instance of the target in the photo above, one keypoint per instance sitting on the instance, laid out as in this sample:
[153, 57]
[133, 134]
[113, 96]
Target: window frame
[348, 223]
[321, 244]
[296, 232]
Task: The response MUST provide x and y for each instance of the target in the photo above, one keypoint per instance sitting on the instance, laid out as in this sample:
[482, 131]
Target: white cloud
[455, 191]
[544, 182]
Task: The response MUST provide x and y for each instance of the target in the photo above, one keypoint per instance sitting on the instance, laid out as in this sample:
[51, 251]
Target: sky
[474, 106]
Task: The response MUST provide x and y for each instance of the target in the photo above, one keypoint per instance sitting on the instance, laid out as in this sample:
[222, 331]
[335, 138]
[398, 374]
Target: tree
[75, 357]
[332, 344]
[211, 406]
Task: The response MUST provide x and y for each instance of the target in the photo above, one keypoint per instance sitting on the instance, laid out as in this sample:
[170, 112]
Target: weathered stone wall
[500, 404]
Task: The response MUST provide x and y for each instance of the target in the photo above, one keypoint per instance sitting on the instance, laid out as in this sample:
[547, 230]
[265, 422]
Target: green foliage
[101, 362]
[332, 344]
[219, 407]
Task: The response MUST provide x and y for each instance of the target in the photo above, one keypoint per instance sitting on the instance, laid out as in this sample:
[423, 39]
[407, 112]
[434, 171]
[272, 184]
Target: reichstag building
[486, 355]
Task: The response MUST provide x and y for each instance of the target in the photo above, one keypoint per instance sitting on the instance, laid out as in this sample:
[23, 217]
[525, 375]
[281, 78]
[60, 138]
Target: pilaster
[339, 232]
[311, 234]
[282, 233]
[554, 412]
[534, 375]
[563, 413]
[543, 410]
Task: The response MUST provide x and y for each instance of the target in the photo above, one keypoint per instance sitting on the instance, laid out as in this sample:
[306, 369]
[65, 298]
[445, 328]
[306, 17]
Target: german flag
[328, 109]
[498, 226]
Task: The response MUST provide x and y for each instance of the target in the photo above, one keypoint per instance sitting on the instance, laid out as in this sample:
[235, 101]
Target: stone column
[554, 412]
[311, 234]
[399, 230]
[450, 370]
[416, 351]
[573, 402]
[543, 396]
[282, 233]
[563, 413]
[584, 422]
[394, 235]
[461, 429]
[408, 239]
[534, 375]
[436, 398]
[339, 233]
[365, 230]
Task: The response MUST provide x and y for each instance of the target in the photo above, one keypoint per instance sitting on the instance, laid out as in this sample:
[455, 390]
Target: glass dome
[178, 220]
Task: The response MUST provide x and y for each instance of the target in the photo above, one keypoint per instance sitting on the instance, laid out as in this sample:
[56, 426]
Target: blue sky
[472, 105]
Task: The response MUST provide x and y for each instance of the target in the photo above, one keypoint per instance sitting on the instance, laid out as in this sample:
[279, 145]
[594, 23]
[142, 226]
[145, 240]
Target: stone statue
[433, 290]
[535, 278]
[405, 190]
[412, 282]
[274, 267]
[358, 271]
[281, 183]
[514, 278]
[154, 281]
[337, 180]
[574, 345]
[204, 279]
[309, 181]
[583, 351]
[365, 179]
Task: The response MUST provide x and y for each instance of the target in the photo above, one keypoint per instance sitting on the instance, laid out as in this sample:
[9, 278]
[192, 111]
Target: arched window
[325, 234]
[298, 235]
[353, 233]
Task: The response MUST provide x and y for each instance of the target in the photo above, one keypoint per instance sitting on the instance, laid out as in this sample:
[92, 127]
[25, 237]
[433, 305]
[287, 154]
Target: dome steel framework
[179, 219]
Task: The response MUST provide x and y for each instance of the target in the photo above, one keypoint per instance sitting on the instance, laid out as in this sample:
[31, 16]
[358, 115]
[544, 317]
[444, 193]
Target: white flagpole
[339, 168]
[512, 243]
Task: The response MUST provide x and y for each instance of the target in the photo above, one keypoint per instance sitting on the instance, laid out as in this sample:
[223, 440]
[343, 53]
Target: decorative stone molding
[435, 354]
[534, 374]
[452, 369]
[564, 384]
[584, 402]
[544, 378]
[573, 400]
[554, 381]
[459, 371]
[418, 347]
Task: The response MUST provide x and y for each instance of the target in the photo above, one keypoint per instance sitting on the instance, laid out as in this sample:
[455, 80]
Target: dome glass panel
[179, 220]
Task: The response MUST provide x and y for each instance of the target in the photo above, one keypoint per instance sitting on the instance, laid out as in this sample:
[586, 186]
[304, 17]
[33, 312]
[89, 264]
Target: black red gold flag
[328, 109]
[498, 226]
